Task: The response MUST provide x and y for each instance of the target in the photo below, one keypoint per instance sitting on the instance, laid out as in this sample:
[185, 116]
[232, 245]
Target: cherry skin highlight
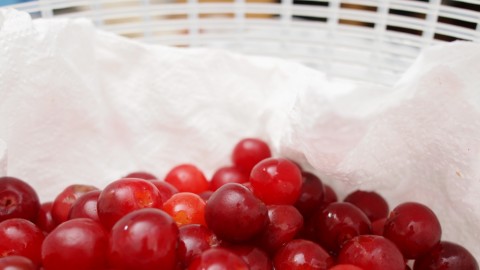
[77, 244]
[16, 263]
[17, 199]
[276, 181]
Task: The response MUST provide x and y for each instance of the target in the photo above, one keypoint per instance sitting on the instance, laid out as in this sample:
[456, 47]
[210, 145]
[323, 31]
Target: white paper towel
[78, 105]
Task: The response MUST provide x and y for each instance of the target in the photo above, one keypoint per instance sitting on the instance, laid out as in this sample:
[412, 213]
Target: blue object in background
[12, 2]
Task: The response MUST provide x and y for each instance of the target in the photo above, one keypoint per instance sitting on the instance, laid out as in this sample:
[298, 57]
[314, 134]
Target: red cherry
[193, 240]
[345, 267]
[86, 206]
[370, 202]
[218, 258]
[330, 196]
[206, 195]
[255, 258]
[124, 196]
[186, 208]
[414, 228]
[371, 252]
[378, 225]
[233, 213]
[338, 223]
[141, 175]
[45, 220]
[284, 223]
[276, 181]
[187, 178]
[21, 237]
[144, 239]
[64, 201]
[166, 190]
[16, 263]
[311, 195]
[17, 200]
[302, 254]
[446, 256]
[77, 244]
[248, 152]
[226, 175]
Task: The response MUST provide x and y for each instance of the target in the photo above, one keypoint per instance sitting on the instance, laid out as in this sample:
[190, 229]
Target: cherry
[311, 195]
[345, 267]
[44, 219]
[378, 225]
[187, 178]
[339, 222]
[76, 244]
[193, 240]
[284, 223]
[166, 190]
[248, 152]
[186, 208]
[302, 254]
[329, 196]
[16, 263]
[276, 181]
[414, 228]
[141, 175]
[218, 258]
[226, 175]
[255, 258]
[372, 252]
[233, 213]
[17, 200]
[21, 237]
[206, 195]
[144, 239]
[86, 206]
[446, 256]
[64, 201]
[370, 202]
[124, 196]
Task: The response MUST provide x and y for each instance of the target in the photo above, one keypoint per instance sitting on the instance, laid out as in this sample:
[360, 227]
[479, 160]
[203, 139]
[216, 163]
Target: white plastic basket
[372, 41]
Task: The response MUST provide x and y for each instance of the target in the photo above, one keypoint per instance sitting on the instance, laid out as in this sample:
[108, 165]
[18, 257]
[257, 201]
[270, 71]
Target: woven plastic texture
[362, 40]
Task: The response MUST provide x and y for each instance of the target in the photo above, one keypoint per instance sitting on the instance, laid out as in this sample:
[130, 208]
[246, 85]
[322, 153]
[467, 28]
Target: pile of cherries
[261, 213]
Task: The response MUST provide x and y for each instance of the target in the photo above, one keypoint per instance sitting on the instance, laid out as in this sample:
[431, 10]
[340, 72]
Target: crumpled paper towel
[79, 105]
